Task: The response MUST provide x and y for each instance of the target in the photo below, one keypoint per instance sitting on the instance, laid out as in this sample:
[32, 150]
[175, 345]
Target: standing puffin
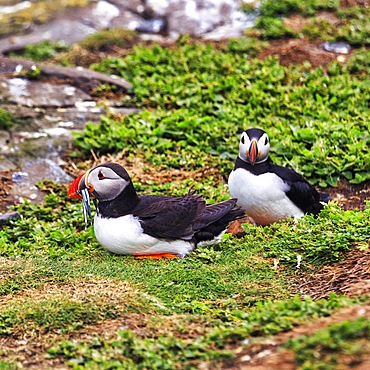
[267, 192]
[148, 226]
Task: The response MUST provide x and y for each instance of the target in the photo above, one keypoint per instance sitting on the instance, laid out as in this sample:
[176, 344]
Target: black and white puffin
[148, 226]
[268, 192]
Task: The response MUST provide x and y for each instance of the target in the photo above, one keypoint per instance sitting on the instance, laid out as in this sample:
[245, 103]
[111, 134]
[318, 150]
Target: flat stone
[40, 94]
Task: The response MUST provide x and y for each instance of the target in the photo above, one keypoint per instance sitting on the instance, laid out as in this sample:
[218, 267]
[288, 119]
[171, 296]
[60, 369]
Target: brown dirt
[299, 51]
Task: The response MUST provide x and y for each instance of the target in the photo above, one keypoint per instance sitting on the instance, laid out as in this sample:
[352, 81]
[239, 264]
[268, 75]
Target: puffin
[267, 192]
[148, 226]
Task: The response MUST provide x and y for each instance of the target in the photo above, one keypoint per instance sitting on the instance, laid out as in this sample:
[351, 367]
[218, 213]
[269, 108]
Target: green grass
[232, 290]
[197, 99]
[128, 351]
[346, 343]
[354, 27]
[51, 315]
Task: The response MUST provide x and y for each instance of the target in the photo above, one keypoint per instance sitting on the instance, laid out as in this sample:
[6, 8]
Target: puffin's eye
[242, 139]
[101, 175]
[266, 140]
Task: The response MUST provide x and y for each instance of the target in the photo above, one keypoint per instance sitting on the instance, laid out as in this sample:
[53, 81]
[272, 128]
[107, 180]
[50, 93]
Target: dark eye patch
[242, 139]
[266, 140]
[101, 175]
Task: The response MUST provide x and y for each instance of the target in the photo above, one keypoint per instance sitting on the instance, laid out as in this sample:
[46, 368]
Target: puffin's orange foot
[157, 256]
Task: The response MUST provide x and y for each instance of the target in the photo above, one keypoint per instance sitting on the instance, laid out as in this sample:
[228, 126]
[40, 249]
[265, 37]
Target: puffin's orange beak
[253, 152]
[79, 189]
[75, 188]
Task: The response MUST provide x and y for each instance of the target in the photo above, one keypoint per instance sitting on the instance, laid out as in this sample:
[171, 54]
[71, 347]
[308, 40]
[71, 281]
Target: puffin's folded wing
[305, 197]
[174, 220]
[214, 212]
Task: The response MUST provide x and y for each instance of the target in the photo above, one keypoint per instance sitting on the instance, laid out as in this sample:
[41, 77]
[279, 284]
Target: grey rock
[70, 27]
[24, 181]
[41, 94]
[201, 17]
[154, 25]
[42, 169]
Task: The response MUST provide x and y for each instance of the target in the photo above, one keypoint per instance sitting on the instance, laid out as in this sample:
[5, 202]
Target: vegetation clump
[42, 51]
[7, 120]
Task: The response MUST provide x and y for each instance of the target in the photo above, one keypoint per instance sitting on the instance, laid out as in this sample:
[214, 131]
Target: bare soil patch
[298, 51]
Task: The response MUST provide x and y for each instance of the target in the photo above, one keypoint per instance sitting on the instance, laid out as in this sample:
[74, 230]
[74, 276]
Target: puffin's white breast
[262, 196]
[124, 235]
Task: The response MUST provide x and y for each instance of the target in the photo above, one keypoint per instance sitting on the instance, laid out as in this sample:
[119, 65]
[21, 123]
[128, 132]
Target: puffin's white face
[104, 183]
[254, 146]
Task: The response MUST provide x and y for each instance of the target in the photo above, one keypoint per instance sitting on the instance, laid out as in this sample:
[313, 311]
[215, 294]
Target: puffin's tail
[324, 197]
[216, 219]
[318, 205]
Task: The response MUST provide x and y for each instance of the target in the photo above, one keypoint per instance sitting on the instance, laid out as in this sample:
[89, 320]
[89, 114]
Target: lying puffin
[267, 192]
[148, 226]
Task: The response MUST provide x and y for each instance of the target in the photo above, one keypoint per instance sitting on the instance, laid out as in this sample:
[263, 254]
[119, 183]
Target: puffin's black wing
[151, 205]
[301, 193]
[216, 218]
[173, 218]
[214, 212]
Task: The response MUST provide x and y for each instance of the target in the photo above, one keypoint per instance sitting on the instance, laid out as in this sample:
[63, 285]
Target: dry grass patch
[67, 307]
[350, 277]
[13, 266]
[145, 172]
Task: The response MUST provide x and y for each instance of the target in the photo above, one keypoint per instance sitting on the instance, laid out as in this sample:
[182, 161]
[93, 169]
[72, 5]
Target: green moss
[107, 39]
[41, 51]
[273, 28]
[273, 8]
[7, 120]
[38, 12]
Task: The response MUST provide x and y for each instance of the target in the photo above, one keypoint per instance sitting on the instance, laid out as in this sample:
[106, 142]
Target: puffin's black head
[254, 146]
[104, 182]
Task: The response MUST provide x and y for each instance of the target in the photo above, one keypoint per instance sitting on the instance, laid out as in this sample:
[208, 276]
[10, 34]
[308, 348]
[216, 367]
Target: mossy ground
[66, 303]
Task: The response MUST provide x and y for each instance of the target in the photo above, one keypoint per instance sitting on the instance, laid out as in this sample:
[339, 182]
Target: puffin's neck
[256, 169]
[122, 205]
